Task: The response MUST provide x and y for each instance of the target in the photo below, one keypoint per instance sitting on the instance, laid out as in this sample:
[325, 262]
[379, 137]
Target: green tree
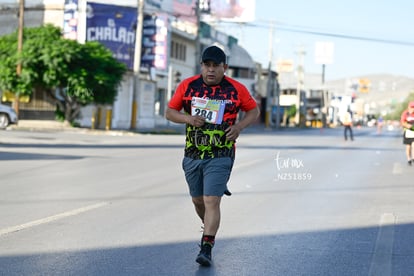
[399, 108]
[73, 74]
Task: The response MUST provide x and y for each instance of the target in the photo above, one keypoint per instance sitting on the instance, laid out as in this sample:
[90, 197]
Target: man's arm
[251, 116]
[407, 125]
[404, 122]
[182, 118]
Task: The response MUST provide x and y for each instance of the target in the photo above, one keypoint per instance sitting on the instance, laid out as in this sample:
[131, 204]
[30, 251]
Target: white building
[143, 106]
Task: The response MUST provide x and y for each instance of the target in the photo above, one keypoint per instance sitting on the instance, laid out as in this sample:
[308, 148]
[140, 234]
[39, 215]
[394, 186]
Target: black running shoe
[409, 162]
[204, 257]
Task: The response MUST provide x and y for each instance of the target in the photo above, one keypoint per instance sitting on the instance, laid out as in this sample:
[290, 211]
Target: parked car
[7, 116]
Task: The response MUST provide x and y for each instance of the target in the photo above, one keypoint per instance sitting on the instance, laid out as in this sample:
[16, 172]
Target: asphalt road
[305, 202]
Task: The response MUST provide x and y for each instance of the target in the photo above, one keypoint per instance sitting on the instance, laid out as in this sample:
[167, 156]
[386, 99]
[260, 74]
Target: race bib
[409, 133]
[211, 110]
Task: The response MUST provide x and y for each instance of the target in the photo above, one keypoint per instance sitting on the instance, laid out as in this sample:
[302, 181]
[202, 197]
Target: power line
[344, 36]
[305, 30]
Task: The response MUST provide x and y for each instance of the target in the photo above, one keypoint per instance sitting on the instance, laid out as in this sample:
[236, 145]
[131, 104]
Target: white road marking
[381, 264]
[70, 213]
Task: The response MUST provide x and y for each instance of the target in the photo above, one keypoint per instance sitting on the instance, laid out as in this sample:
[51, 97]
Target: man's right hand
[196, 120]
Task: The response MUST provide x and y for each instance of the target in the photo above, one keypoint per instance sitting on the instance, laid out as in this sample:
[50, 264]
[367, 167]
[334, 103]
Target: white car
[7, 116]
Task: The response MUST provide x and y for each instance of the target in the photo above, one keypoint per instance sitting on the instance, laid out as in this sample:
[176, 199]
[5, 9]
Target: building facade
[170, 51]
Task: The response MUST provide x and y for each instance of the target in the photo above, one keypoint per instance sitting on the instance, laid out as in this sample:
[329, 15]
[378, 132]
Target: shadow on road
[4, 155]
[307, 253]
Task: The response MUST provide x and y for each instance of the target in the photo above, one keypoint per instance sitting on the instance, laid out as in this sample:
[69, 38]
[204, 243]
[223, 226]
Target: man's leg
[351, 133]
[208, 209]
[211, 225]
[211, 215]
[199, 207]
[216, 173]
[408, 154]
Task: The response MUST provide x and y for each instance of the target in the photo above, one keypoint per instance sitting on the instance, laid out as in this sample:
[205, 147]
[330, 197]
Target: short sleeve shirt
[408, 117]
[209, 141]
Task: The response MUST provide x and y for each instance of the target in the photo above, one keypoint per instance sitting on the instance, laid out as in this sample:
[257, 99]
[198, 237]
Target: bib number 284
[208, 114]
[211, 110]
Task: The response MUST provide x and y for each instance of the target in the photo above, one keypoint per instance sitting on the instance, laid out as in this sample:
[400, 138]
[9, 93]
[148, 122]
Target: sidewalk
[40, 124]
[51, 125]
[170, 129]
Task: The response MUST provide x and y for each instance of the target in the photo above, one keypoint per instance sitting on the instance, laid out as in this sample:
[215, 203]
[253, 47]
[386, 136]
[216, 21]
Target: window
[178, 51]
[237, 72]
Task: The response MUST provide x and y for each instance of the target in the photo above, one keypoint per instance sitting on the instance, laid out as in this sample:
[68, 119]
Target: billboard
[230, 10]
[364, 85]
[324, 52]
[70, 19]
[284, 65]
[185, 10]
[114, 27]
[154, 51]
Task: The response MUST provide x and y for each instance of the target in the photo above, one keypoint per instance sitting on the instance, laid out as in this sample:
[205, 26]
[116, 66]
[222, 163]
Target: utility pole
[19, 52]
[137, 62]
[300, 78]
[271, 34]
[269, 85]
[197, 67]
[272, 93]
[324, 98]
[269, 88]
[323, 74]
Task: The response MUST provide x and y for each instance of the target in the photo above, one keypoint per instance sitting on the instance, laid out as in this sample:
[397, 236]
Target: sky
[368, 36]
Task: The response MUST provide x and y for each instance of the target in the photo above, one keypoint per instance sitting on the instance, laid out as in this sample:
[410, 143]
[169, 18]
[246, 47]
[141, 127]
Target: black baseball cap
[214, 54]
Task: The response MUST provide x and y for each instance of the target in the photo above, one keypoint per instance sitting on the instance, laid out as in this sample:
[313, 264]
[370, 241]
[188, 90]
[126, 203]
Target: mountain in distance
[380, 89]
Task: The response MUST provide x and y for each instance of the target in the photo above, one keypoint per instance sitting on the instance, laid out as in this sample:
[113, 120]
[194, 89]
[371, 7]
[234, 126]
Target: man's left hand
[232, 132]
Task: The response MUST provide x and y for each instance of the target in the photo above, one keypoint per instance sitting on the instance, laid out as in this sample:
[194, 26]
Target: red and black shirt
[209, 141]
